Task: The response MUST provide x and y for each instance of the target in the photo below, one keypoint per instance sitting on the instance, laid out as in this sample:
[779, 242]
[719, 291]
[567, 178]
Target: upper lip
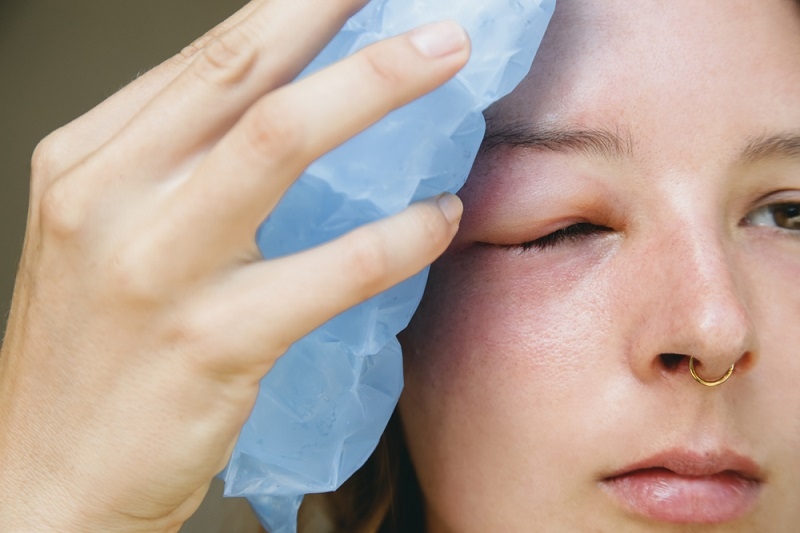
[692, 463]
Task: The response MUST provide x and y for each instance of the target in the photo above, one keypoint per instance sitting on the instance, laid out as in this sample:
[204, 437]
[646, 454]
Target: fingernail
[451, 207]
[439, 39]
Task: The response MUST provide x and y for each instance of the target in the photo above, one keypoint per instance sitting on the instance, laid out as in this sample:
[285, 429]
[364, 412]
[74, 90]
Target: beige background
[58, 58]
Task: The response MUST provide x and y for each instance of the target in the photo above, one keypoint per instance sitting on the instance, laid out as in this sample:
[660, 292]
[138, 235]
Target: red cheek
[491, 316]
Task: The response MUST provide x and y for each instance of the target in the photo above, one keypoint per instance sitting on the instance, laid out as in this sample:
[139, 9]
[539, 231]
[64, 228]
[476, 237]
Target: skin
[143, 316]
[533, 374]
[137, 334]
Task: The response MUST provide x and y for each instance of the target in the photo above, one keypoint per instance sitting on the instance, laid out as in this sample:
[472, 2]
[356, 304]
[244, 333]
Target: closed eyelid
[572, 233]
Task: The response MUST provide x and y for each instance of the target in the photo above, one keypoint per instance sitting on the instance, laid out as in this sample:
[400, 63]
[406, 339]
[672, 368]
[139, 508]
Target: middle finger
[244, 176]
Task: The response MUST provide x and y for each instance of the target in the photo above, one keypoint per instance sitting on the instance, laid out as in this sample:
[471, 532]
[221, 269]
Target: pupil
[788, 216]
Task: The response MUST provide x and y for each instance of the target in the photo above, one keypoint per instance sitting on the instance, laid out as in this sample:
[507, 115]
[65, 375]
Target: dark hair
[382, 497]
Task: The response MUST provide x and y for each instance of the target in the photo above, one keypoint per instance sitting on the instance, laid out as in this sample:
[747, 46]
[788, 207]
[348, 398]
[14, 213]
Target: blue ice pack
[322, 408]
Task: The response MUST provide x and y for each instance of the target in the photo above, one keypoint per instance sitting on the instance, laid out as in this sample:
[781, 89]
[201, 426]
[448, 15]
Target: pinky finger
[91, 130]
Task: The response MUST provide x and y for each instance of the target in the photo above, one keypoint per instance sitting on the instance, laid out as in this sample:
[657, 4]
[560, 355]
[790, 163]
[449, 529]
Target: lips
[686, 487]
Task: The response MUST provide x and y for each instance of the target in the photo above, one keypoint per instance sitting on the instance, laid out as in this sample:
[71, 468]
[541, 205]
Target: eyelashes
[569, 234]
[785, 216]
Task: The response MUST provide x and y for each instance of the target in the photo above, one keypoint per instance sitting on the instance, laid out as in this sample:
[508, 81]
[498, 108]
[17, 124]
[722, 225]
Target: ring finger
[243, 176]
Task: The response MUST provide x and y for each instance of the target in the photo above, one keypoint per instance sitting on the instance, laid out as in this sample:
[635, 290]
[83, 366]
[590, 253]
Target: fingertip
[439, 39]
[451, 207]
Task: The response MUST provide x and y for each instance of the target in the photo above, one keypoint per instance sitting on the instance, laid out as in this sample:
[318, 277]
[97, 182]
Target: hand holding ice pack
[323, 407]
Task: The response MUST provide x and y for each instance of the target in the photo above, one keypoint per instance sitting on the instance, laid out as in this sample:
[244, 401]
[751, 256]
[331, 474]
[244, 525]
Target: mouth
[687, 487]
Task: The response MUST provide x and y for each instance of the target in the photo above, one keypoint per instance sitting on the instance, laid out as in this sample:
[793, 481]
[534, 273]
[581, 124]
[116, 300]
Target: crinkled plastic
[324, 405]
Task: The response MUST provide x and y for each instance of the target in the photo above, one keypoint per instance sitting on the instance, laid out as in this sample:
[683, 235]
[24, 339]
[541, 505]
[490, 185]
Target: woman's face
[637, 202]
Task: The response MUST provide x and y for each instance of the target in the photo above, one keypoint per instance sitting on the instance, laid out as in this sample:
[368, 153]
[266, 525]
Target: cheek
[499, 319]
[493, 358]
[772, 271]
[772, 268]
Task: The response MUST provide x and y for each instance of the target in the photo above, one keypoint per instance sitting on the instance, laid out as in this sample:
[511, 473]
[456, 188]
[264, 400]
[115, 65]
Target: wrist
[34, 499]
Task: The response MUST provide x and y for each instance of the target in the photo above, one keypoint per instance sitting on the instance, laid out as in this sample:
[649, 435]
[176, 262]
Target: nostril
[672, 361]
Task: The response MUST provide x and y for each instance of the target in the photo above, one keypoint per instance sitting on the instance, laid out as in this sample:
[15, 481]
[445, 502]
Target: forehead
[698, 70]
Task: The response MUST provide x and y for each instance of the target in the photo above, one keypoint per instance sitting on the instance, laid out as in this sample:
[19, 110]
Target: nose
[693, 307]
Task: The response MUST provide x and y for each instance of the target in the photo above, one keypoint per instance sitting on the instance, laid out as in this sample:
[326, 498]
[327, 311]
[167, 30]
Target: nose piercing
[713, 383]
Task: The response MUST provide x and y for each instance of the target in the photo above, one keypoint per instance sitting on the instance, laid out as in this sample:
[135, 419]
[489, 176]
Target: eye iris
[787, 216]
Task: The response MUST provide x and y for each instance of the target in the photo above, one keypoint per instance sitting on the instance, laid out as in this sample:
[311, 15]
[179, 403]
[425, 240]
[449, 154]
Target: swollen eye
[572, 233]
[785, 216]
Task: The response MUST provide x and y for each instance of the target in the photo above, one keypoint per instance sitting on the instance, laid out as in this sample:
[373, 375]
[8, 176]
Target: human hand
[143, 316]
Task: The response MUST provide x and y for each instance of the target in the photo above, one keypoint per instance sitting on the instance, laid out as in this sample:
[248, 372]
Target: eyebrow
[588, 141]
[618, 144]
[785, 145]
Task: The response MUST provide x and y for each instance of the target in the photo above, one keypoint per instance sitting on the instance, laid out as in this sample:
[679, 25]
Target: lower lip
[663, 495]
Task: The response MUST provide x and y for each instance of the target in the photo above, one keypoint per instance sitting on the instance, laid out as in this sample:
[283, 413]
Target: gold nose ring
[713, 383]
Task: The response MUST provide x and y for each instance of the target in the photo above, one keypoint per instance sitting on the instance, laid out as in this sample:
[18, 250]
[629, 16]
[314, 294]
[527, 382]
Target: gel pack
[323, 407]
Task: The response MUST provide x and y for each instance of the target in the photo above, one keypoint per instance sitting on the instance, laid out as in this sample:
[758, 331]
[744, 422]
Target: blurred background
[59, 58]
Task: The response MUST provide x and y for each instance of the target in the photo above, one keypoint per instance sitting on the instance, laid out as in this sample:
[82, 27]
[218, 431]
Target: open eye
[573, 233]
[785, 215]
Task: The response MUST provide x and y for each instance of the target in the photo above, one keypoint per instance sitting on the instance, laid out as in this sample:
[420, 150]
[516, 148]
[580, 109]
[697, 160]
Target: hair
[383, 496]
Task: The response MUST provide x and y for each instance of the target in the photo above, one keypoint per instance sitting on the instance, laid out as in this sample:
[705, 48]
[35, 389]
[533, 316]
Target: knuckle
[368, 260]
[59, 211]
[187, 330]
[47, 157]
[191, 52]
[433, 230]
[195, 335]
[382, 68]
[130, 280]
[271, 133]
[227, 59]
